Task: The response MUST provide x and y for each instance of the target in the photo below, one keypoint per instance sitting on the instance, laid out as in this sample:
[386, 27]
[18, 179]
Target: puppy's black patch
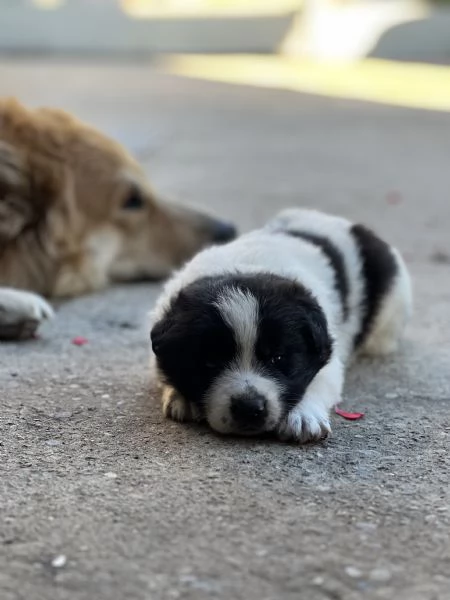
[194, 344]
[336, 261]
[379, 269]
[293, 341]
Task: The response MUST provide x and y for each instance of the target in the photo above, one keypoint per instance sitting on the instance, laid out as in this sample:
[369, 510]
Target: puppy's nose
[222, 232]
[249, 410]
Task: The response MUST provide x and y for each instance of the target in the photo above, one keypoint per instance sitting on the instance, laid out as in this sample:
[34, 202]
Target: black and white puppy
[254, 336]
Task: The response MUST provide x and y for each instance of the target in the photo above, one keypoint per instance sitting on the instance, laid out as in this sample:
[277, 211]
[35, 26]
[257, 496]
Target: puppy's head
[242, 348]
[89, 192]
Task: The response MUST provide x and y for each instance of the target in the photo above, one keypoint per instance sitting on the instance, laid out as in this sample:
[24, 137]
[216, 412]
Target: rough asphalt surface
[102, 499]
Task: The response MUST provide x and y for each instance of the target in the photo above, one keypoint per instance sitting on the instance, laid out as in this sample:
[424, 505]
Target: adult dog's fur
[254, 336]
[77, 212]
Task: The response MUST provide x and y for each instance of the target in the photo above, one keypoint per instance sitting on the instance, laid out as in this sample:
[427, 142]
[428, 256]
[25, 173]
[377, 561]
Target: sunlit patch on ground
[402, 84]
[198, 8]
[48, 4]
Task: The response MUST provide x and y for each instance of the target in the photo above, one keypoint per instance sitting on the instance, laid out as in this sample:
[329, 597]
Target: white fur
[18, 305]
[240, 311]
[22, 310]
[266, 251]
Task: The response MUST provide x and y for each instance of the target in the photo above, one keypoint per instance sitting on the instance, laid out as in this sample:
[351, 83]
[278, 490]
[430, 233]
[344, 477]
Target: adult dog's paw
[21, 313]
[305, 424]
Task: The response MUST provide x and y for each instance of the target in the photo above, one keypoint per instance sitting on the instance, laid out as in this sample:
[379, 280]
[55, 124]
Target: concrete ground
[102, 499]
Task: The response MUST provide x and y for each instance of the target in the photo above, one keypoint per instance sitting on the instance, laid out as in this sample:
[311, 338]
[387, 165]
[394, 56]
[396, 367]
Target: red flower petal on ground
[394, 197]
[349, 415]
[79, 341]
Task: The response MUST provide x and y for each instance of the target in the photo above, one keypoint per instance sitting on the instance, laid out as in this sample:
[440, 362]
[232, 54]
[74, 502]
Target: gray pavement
[101, 499]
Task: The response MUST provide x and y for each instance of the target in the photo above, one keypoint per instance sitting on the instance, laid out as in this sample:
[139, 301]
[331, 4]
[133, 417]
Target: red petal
[79, 341]
[348, 415]
[394, 197]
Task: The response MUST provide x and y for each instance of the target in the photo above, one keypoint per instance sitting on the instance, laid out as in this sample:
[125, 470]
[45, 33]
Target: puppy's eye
[275, 360]
[134, 200]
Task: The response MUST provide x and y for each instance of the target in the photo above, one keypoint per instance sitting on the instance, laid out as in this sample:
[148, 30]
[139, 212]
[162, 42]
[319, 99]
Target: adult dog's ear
[15, 208]
[29, 185]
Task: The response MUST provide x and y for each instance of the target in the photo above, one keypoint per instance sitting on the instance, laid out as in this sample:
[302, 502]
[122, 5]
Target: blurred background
[321, 29]
[247, 105]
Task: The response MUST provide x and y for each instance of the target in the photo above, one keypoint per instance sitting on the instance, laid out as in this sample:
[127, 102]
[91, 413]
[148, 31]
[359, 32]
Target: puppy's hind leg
[21, 313]
[393, 316]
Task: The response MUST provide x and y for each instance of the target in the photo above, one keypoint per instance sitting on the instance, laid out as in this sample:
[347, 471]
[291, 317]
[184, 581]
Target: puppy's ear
[306, 313]
[15, 208]
[159, 333]
[167, 332]
[318, 334]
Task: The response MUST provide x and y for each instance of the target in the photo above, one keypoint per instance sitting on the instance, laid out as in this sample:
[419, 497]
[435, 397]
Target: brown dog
[76, 213]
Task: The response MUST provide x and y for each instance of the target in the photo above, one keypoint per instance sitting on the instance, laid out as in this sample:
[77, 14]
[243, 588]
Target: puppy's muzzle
[249, 411]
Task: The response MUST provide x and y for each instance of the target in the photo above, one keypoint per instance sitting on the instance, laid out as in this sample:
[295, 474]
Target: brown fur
[64, 228]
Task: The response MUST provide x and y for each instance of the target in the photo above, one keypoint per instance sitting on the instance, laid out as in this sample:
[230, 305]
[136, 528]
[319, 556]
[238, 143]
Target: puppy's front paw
[175, 407]
[21, 313]
[305, 424]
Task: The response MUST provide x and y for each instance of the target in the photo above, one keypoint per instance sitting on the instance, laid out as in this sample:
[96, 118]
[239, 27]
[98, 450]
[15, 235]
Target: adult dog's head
[242, 348]
[76, 210]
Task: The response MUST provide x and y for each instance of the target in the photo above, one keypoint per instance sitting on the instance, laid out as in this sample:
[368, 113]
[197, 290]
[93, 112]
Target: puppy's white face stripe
[240, 311]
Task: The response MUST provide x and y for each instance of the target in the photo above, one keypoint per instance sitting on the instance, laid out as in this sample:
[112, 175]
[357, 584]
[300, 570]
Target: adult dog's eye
[133, 201]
